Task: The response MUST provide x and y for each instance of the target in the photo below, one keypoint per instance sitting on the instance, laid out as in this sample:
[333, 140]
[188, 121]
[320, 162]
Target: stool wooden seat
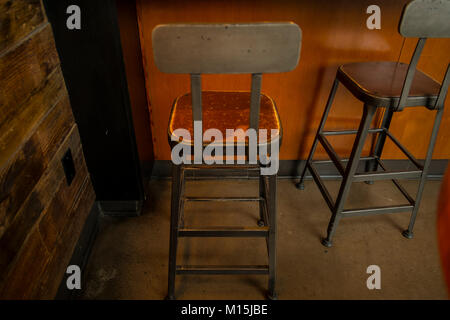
[381, 84]
[224, 110]
[393, 86]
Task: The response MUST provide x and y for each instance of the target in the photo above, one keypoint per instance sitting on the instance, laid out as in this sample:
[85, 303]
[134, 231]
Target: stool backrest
[226, 48]
[424, 19]
[253, 48]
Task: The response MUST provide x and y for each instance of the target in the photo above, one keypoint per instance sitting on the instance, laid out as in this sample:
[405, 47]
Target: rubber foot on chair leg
[327, 243]
[300, 186]
[261, 223]
[170, 297]
[370, 182]
[407, 234]
[272, 296]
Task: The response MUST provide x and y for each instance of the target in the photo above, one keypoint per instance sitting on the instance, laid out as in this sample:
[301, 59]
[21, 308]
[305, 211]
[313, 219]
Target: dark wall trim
[94, 72]
[291, 169]
[120, 208]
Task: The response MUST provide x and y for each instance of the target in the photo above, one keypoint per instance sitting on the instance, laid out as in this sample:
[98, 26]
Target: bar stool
[253, 48]
[393, 86]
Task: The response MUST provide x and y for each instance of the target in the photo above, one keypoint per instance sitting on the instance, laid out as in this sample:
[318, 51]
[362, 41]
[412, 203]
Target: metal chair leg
[369, 112]
[181, 201]
[300, 184]
[272, 212]
[262, 194]
[408, 233]
[372, 165]
[177, 177]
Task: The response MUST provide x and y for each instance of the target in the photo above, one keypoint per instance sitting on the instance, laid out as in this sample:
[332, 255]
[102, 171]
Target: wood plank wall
[334, 32]
[41, 215]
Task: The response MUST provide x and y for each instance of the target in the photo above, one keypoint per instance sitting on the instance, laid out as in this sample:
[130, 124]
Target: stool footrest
[398, 185]
[223, 199]
[238, 232]
[345, 132]
[342, 160]
[222, 269]
[404, 150]
[204, 167]
[377, 210]
[386, 175]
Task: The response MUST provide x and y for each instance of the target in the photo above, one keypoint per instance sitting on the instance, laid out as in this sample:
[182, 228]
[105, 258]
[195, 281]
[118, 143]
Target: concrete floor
[129, 258]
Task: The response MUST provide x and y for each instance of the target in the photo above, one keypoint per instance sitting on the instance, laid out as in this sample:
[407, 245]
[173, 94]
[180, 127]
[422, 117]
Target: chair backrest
[424, 19]
[226, 48]
[253, 48]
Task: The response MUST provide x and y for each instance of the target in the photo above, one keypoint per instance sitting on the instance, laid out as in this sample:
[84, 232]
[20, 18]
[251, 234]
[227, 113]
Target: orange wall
[334, 32]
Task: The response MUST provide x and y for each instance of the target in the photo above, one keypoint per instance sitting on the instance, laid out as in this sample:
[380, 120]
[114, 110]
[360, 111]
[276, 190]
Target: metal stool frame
[415, 22]
[253, 48]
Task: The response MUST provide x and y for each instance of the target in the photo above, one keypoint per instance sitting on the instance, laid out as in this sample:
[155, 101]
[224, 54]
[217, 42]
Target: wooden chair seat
[224, 110]
[380, 84]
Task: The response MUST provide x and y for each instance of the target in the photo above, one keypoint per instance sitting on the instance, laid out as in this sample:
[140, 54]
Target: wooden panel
[25, 168]
[41, 216]
[60, 208]
[33, 180]
[58, 226]
[334, 33]
[18, 19]
[49, 282]
[28, 267]
[30, 84]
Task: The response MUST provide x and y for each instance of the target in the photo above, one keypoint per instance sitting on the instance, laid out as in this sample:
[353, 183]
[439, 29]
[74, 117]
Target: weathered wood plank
[40, 198]
[18, 19]
[59, 209]
[53, 198]
[24, 73]
[50, 280]
[19, 176]
[28, 267]
[21, 122]
[41, 216]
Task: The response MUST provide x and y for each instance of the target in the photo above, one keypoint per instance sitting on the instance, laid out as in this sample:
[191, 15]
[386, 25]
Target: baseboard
[81, 253]
[120, 208]
[291, 169]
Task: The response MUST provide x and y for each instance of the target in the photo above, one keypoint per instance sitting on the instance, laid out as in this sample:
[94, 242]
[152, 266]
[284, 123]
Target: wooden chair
[253, 48]
[393, 86]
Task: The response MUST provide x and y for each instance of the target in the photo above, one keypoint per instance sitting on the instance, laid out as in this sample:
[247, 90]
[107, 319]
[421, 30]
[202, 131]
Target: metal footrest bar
[386, 175]
[343, 160]
[238, 232]
[332, 154]
[222, 167]
[398, 185]
[203, 199]
[321, 186]
[404, 150]
[265, 231]
[343, 132]
[376, 210]
[222, 269]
